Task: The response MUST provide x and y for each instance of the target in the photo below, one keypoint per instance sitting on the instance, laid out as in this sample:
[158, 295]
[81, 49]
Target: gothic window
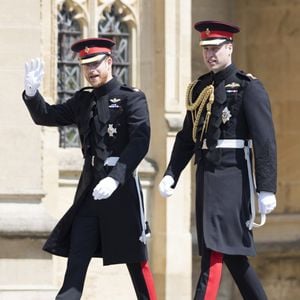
[68, 69]
[111, 26]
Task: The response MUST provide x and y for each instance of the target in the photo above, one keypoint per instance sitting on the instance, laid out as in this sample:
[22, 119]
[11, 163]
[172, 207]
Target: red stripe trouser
[84, 240]
[240, 269]
[142, 280]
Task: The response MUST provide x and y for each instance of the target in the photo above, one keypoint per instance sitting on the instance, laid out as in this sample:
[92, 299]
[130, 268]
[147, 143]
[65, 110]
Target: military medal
[232, 87]
[114, 103]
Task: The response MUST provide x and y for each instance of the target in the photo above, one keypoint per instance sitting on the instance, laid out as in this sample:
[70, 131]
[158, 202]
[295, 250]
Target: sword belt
[230, 143]
[246, 145]
[111, 161]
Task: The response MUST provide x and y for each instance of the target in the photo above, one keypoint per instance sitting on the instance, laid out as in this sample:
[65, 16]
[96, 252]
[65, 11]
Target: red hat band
[93, 50]
[208, 34]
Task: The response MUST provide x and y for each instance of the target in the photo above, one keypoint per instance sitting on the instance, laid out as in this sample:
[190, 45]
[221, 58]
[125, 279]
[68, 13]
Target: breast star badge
[111, 130]
[226, 115]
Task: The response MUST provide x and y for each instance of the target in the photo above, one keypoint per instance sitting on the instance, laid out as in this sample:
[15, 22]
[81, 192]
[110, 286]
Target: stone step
[27, 293]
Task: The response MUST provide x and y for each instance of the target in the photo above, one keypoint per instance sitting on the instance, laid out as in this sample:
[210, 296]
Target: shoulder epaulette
[247, 76]
[129, 88]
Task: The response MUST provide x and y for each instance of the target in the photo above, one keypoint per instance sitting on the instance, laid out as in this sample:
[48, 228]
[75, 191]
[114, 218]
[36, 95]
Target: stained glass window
[68, 69]
[111, 26]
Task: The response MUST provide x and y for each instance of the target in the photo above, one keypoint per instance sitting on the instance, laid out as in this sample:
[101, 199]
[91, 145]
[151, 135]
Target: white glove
[105, 188]
[165, 188]
[266, 202]
[34, 72]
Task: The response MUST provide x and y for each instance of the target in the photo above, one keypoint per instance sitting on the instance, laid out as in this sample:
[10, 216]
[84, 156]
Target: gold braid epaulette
[206, 97]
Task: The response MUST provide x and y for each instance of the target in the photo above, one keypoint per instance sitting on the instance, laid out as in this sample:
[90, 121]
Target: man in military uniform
[228, 116]
[106, 218]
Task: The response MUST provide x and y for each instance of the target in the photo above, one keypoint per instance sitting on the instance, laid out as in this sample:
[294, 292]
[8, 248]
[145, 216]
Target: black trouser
[85, 238]
[240, 269]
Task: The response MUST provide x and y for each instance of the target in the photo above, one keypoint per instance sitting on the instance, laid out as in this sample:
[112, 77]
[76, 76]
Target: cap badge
[111, 130]
[207, 31]
[86, 49]
[226, 115]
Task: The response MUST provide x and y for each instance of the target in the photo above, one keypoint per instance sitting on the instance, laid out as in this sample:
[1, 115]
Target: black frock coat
[122, 108]
[222, 184]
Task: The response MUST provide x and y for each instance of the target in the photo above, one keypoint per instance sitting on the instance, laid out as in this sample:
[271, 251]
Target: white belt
[111, 161]
[246, 145]
[230, 143]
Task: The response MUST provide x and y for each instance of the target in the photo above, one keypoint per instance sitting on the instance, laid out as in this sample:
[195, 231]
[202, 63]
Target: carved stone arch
[125, 8]
[72, 21]
[127, 15]
[81, 14]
